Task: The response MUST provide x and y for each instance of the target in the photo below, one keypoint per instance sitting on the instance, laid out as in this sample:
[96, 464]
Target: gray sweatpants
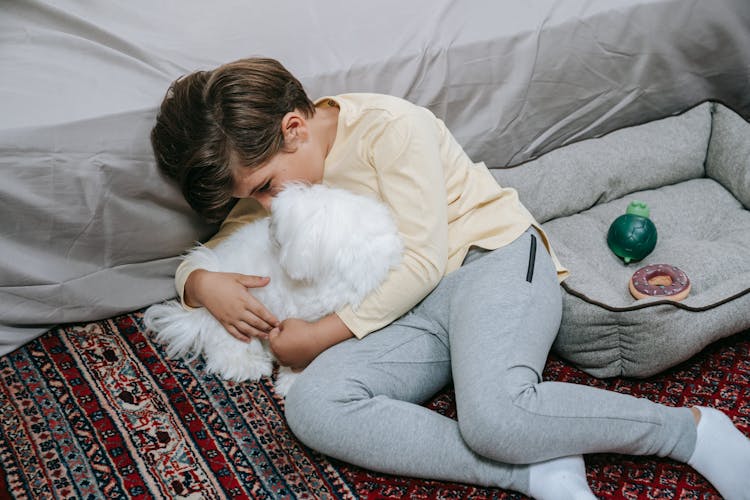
[488, 326]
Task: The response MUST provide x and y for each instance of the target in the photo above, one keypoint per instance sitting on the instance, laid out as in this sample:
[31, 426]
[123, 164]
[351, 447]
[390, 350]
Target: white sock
[722, 455]
[560, 479]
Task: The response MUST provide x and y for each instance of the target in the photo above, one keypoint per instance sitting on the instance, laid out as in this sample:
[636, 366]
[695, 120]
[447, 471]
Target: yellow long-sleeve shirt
[443, 203]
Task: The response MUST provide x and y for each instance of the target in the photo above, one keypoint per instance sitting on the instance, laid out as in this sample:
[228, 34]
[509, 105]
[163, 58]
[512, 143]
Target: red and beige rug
[98, 411]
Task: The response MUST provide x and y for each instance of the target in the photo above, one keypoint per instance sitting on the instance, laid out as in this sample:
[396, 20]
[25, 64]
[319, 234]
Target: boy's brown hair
[207, 116]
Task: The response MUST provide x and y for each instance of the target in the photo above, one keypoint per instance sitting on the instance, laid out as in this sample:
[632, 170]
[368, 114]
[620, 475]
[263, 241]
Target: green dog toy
[632, 236]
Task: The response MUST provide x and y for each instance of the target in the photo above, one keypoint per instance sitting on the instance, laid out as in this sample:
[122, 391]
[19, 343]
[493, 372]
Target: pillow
[581, 175]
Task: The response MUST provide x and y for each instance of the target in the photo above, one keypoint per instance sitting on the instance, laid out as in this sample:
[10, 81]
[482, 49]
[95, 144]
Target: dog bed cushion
[703, 230]
[692, 170]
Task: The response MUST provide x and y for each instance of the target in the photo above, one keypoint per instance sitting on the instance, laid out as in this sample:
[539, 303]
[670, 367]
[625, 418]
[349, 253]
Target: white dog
[323, 249]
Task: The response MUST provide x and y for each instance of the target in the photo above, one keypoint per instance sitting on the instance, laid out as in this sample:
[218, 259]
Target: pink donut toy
[660, 280]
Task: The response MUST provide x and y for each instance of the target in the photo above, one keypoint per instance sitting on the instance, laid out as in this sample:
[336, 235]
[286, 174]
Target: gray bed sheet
[88, 229]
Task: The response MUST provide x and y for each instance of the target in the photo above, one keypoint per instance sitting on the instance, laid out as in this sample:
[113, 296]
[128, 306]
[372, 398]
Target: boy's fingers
[250, 281]
[251, 331]
[256, 307]
[248, 331]
[236, 334]
[262, 313]
[274, 333]
[273, 337]
[255, 322]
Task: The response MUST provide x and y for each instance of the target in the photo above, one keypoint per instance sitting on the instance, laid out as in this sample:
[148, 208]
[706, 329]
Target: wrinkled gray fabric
[571, 179]
[87, 229]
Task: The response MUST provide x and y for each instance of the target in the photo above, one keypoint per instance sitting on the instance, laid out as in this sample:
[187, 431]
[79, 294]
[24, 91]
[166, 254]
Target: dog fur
[323, 248]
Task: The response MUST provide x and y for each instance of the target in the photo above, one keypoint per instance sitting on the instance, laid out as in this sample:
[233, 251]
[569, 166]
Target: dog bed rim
[680, 305]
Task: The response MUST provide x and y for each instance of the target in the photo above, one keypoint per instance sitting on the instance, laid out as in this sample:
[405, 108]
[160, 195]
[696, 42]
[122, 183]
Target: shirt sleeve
[406, 157]
[244, 212]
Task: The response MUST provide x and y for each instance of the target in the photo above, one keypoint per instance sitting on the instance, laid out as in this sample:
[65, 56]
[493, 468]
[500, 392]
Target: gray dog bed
[693, 170]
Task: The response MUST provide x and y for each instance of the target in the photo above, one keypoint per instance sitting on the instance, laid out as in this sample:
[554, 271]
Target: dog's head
[325, 233]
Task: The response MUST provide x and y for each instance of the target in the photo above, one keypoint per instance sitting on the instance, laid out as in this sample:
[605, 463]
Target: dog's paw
[284, 381]
[239, 365]
[247, 371]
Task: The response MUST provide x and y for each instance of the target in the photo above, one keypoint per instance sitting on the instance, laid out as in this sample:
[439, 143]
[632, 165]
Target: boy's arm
[226, 295]
[407, 160]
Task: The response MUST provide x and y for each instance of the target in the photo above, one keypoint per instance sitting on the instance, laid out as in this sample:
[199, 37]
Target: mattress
[89, 229]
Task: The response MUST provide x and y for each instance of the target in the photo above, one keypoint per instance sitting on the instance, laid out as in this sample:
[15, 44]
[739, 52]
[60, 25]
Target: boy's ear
[294, 127]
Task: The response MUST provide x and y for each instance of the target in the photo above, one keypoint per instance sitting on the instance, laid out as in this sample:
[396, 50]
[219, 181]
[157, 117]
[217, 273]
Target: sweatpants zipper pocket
[532, 258]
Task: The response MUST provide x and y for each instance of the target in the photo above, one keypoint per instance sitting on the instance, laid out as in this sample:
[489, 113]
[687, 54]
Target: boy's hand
[227, 298]
[296, 342]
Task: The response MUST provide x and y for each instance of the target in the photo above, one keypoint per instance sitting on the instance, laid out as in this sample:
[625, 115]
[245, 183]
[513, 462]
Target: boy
[476, 300]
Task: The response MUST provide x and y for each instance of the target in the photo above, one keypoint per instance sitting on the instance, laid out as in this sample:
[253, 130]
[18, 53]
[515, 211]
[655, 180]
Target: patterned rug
[97, 411]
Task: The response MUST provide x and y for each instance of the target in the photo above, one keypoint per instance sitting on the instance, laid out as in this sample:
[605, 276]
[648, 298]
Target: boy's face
[307, 142]
[266, 180]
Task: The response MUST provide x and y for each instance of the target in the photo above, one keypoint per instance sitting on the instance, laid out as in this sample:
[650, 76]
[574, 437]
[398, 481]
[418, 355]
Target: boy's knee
[313, 408]
[304, 407]
[499, 432]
